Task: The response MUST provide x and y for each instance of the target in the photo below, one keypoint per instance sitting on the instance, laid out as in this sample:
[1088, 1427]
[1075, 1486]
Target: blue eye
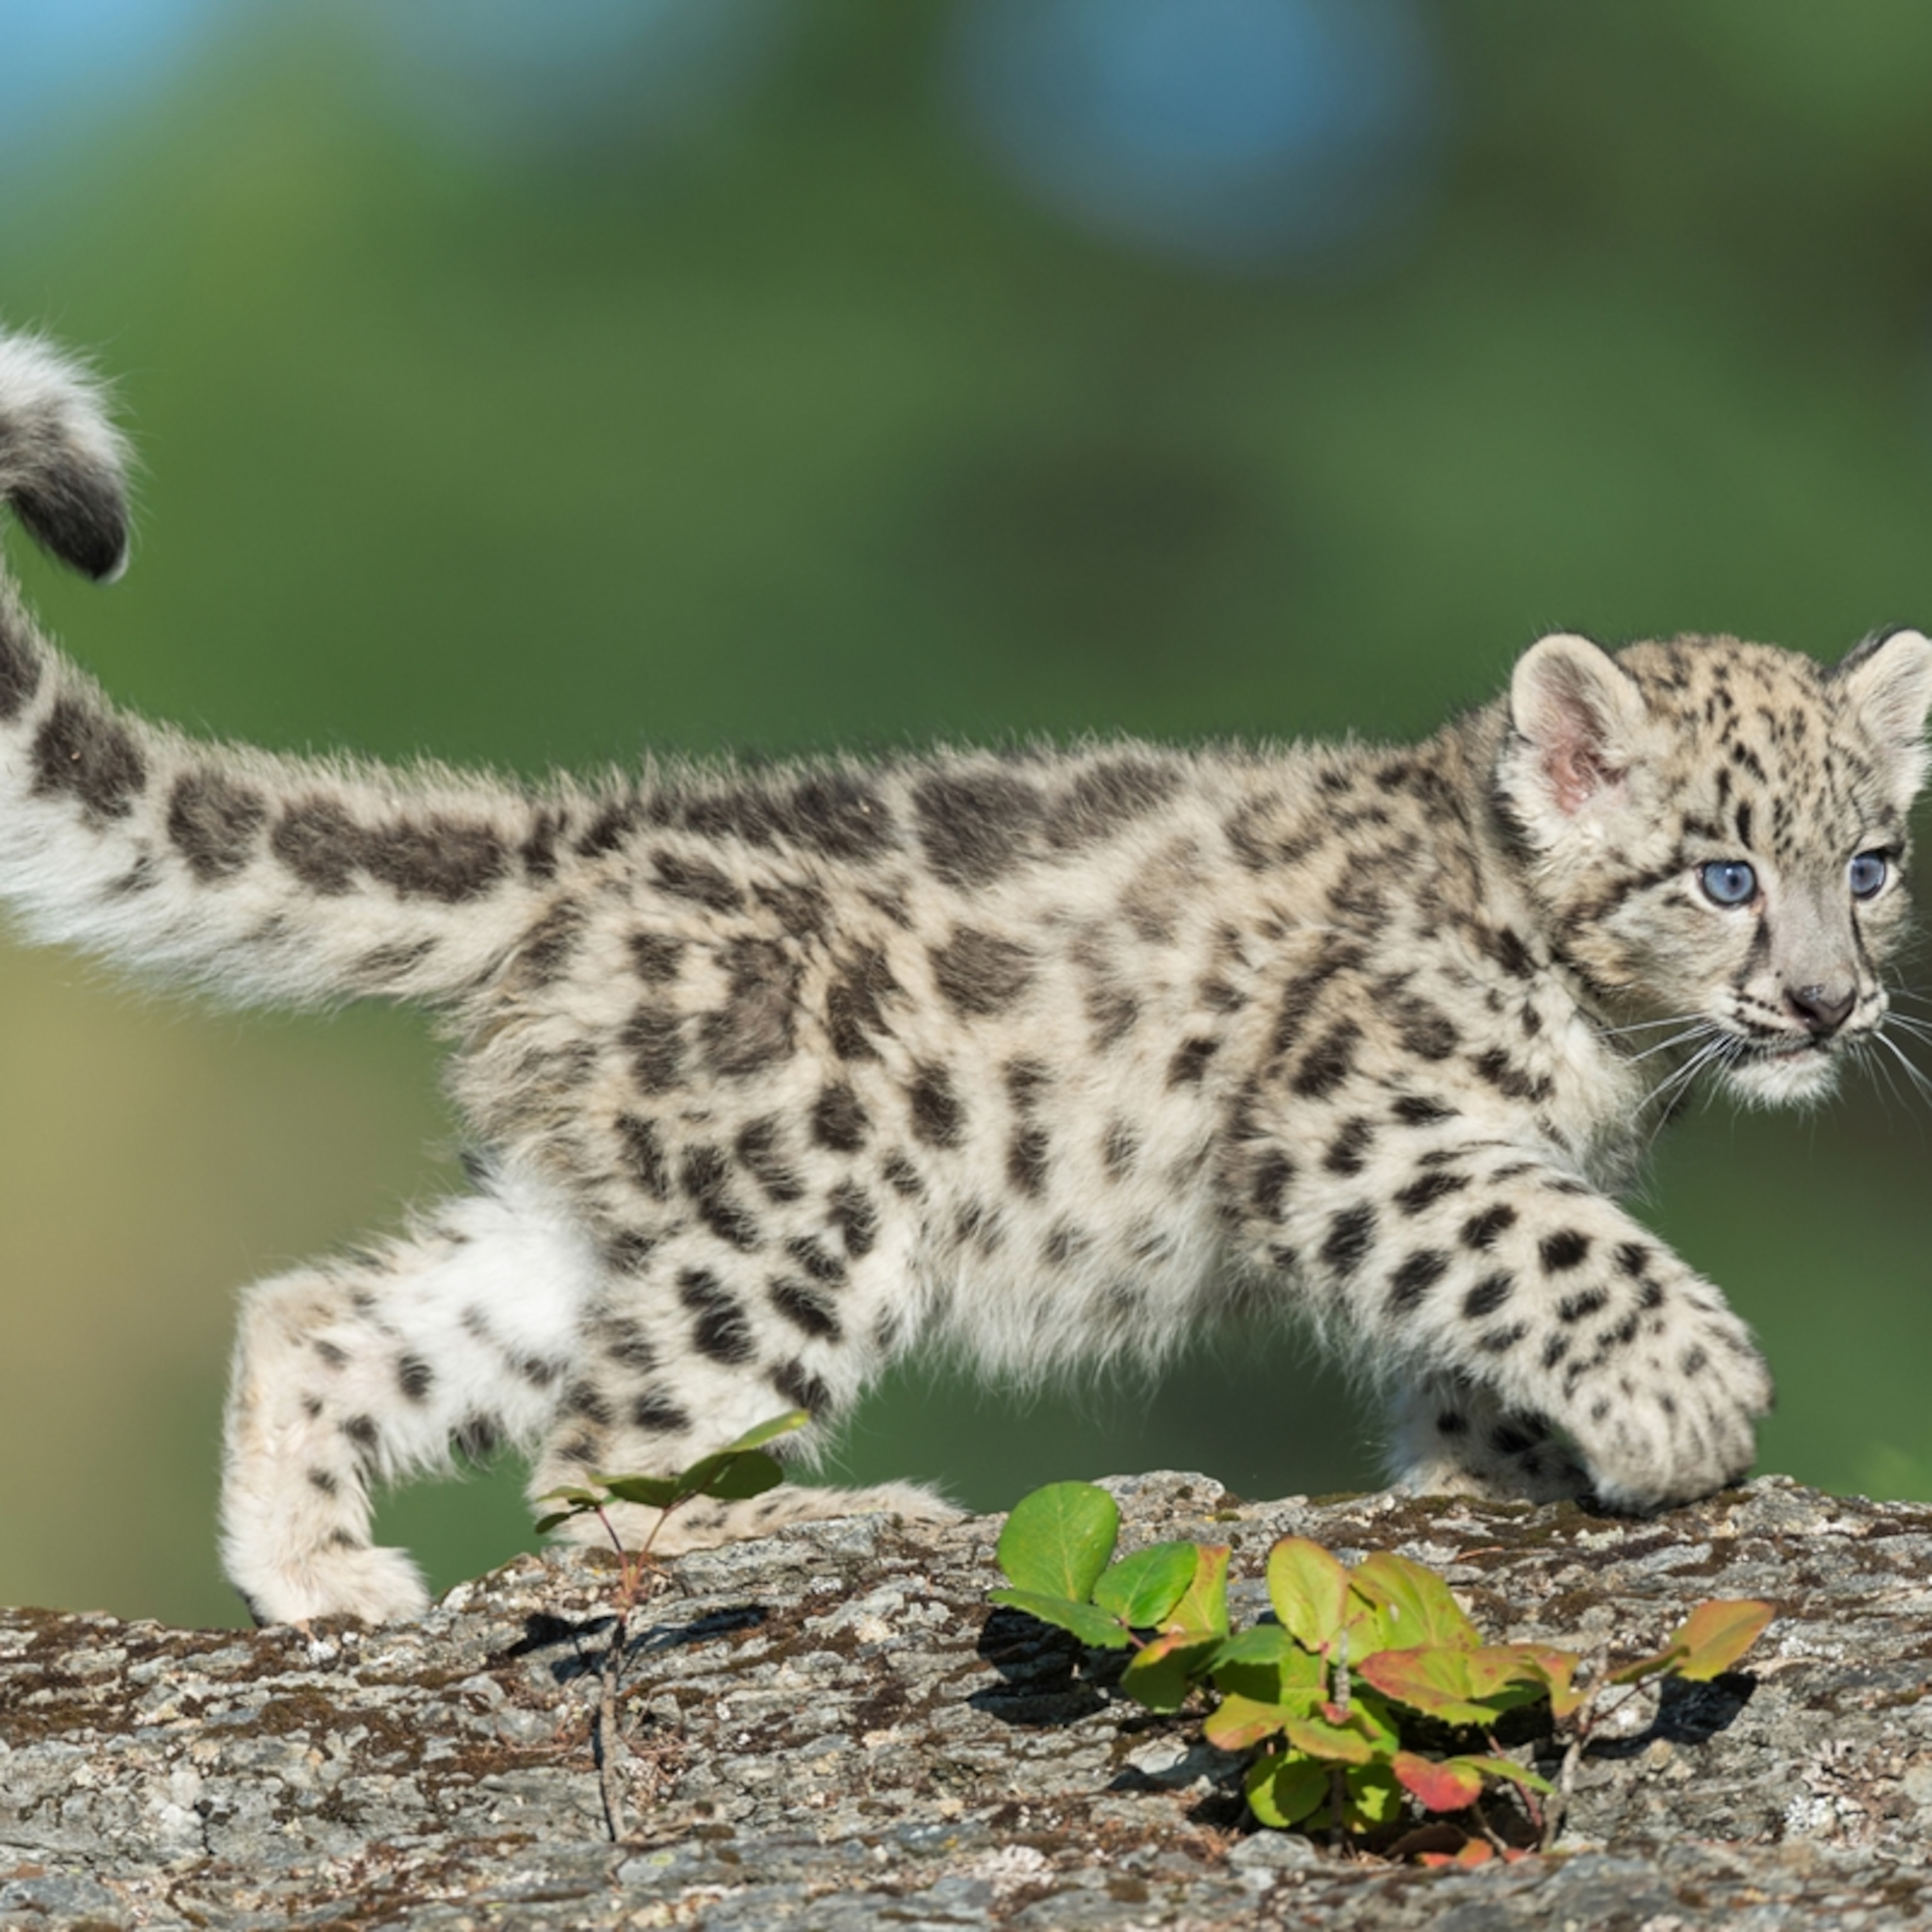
[1867, 873]
[1728, 882]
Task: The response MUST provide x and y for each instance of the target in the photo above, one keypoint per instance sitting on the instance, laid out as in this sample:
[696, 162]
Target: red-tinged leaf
[1203, 1604]
[1417, 1606]
[1449, 1787]
[1440, 1682]
[1716, 1634]
[1309, 1590]
[1088, 1625]
[1142, 1589]
[1477, 1851]
[1283, 1790]
[1057, 1540]
[1238, 1723]
[1557, 1668]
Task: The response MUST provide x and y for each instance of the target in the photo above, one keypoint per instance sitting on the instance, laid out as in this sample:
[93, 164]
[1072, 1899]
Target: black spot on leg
[213, 823]
[1451, 1422]
[361, 1430]
[856, 1217]
[1189, 1064]
[321, 1479]
[1562, 1251]
[1419, 1110]
[1488, 1295]
[1274, 1173]
[1350, 1235]
[588, 1403]
[1632, 1258]
[415, 1377]
[802, 1388]
[1506, 1439]
[1428, 1188]
[704, 1175]
[1120, 1150]
[1577, 1307]
[1482, 1231]
[806, 1308]
[817, 1260]
[656, 1411]
[82, 752]
[1348, 1151]
[1416, 1276]
[720, 1330]
[758, 1151]
[1027, 1159]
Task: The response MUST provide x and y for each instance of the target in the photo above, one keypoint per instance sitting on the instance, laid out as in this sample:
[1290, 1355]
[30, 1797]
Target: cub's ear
[1580, 720]
[1888, 682]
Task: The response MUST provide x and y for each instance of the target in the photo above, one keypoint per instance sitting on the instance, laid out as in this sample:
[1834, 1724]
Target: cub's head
[1716, 837]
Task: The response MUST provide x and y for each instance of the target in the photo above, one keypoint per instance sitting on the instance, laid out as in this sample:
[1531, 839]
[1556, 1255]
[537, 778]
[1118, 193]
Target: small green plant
[1371, 1698]
[739, 1470]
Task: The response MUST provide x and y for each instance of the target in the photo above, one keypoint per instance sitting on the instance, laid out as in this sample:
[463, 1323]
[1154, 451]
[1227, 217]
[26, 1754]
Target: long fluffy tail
[267, 877]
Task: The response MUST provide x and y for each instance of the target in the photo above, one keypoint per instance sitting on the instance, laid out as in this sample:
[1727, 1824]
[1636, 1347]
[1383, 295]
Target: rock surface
[829, 1729]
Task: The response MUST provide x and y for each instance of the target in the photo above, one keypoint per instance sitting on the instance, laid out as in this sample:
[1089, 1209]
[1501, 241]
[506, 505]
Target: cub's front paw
[380, 1586]
[1673, 1426]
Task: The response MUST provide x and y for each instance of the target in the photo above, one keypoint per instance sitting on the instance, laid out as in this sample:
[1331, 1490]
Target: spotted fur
[1043, 1058]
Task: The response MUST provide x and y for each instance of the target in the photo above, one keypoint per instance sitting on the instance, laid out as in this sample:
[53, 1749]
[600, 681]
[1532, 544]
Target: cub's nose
[1822, 1008]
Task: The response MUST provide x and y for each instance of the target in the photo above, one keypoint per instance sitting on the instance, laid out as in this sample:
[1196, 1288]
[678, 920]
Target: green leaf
[1417, 1604]
[731, 1475]
[1309, 1590]
[1507, 1769]
[1142, 1589]
[1265, 1665]
[1556, 1668]
[654, 1492]
[1348, 1742]
[1166, 1669]
[1203, 1604]
[1716, 1634]
[791, 1419]
[1437, 1785]
[1090, 1625]
[1374, 1797]
[1284, 1790]
[1057, 1540]
[545, 1524]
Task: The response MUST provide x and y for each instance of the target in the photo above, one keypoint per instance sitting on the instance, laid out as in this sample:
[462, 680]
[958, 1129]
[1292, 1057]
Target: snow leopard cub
[1045, 1057]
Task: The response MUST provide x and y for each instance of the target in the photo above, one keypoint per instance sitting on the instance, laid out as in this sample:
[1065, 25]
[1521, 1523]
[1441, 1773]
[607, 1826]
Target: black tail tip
[62, 463]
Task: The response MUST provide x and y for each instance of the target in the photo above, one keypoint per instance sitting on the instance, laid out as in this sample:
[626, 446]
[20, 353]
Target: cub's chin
[1795, 1076]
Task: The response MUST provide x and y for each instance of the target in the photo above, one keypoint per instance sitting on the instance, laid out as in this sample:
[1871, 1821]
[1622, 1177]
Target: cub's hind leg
[353, 1374]
[709, 1338]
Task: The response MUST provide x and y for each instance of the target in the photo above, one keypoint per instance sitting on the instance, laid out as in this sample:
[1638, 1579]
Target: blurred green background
[531, 384]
